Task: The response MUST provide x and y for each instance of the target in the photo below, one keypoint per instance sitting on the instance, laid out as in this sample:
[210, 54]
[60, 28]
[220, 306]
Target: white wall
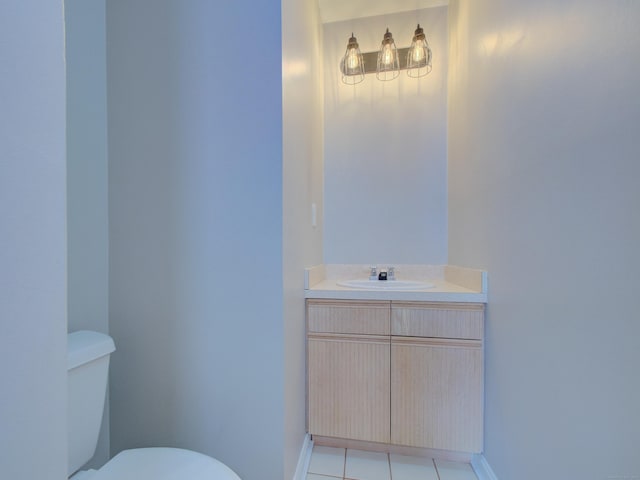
[386, 150]
[87, 164]
[33, 367]
[302, 186]
[87, 209]
[195, 210]
[544, 175]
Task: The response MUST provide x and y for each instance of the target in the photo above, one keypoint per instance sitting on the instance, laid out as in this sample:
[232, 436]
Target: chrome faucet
[373, 274]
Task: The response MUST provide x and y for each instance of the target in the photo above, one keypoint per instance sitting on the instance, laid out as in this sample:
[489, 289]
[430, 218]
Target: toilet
[88, 367]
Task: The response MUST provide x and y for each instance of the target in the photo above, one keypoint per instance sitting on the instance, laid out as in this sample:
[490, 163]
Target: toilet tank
[87, 373]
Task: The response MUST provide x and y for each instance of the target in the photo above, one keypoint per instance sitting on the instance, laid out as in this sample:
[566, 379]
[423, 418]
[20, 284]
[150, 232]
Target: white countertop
[451, 284]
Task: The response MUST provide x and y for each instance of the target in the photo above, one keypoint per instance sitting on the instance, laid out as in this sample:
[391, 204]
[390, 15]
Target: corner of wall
[482, 468]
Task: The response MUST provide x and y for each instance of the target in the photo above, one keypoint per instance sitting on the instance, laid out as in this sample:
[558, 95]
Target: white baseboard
[304, 458]
[482, 468]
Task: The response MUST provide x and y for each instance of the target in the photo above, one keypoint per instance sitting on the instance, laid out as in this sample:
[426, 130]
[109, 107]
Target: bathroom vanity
[397, 368]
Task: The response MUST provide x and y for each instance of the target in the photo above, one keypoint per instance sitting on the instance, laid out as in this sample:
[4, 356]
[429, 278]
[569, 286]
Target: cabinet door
[436, 393]
[349, 377]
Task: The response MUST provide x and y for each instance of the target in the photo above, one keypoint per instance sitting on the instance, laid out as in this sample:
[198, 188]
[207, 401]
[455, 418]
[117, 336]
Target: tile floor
[328, 463]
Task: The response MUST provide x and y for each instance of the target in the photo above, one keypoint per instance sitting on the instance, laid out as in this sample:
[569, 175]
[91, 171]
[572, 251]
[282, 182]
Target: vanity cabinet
[400, 373]
[349, 374]
[437, 376]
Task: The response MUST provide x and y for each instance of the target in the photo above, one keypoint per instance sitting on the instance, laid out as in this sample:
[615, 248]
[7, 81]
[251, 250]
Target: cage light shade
[352, 64]
[419, 55]
[388, 66]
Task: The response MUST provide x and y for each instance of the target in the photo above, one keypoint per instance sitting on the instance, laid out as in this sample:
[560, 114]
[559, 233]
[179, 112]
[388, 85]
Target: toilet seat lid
[163, 464]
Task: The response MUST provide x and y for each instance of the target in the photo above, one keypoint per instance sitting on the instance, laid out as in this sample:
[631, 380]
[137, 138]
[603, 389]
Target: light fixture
[352, 64]
[388, 65]
[386, 62]
[419, 55]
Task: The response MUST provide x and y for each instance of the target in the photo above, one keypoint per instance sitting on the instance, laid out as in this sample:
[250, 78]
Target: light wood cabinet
[349, 371]
[400, 373]
[438, 320]
[437, 376]
[436, 394]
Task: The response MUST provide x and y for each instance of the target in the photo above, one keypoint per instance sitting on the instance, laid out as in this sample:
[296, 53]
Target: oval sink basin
[386, 284]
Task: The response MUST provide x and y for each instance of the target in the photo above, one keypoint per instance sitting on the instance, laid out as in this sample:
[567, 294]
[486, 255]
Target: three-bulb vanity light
[416, 59]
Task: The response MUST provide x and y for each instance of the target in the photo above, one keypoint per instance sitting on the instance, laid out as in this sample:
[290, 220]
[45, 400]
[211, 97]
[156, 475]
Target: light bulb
[353, 59]
[418, 54]
[387, 55]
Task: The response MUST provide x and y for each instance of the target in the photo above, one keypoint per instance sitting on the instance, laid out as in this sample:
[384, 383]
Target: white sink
[385, 284]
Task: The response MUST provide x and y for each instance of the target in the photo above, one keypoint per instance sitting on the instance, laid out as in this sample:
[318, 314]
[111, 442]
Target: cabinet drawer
[336, 316]
[450, 320]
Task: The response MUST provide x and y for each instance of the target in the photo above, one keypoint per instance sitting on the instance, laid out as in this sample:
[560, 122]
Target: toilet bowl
[159, 464]
[87, 366]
